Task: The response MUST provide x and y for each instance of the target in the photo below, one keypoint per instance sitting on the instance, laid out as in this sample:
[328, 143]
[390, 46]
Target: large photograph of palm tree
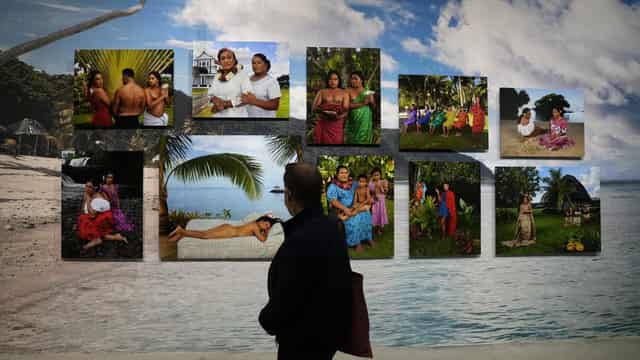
[221, 197]
[343, 96]
[116, 89]
[359, 191]
[443, 113]
[539, 123]
[547, 210]
[444, 209]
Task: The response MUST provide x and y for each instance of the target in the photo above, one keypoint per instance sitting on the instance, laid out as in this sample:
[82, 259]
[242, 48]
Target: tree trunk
[23, 48]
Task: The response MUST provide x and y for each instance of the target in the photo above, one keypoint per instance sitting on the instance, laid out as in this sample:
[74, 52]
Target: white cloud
[298, 101]
[591, 181]
[189, 45]
[389, 84]
[389, 114]
[415, 46]
[71, 8]
[555, 44]
[321, 23]
[389, 64]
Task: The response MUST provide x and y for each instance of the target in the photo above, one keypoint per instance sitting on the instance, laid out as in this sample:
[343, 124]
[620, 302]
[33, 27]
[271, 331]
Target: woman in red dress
[96, 224]
[99, 100]
[478, 116]
[331, 106]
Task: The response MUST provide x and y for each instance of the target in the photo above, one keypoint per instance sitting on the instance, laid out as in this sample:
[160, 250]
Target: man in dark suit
[309, 308]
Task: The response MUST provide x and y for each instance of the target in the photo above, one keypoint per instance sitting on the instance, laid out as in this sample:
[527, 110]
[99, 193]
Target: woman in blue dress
[340, 195]
[443, 211]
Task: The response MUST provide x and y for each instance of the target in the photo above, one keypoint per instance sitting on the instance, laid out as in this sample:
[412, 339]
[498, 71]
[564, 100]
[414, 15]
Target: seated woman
[526, 125]
[362, 198]
[412, 118]
[438, 120]
[111, 190]
[558, 137]
[95, 222]
[424, 119]
[450, 121]
[259, 228]
[461, 121]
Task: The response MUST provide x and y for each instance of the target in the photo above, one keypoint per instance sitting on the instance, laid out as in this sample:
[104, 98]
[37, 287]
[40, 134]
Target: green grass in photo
[413, 140]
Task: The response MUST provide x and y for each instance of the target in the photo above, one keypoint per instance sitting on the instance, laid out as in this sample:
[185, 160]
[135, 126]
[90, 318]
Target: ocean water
[207, 306]
[214, 199]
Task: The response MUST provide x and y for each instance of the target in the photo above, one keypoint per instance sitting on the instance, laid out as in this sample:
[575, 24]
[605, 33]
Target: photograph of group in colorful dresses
[222, 197]
[123, 89]
[444, 209]
[102, 205]
[541, 123]
[358, 190]
[547, 210]
[240, 80]
[343, 96]
[443, 113]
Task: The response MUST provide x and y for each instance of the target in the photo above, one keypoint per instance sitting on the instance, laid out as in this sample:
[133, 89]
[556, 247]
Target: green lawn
[436, 246]
[551, 236]
[84, 120]
[413, 140]
[281, 113]
[383, 243]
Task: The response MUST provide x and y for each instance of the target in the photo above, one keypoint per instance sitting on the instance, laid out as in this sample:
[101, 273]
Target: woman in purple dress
[121, 224]
[378, 189]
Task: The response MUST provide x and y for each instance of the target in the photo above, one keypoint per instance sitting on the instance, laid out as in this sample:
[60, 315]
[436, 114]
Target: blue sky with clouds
[589, 176]
[560, 44]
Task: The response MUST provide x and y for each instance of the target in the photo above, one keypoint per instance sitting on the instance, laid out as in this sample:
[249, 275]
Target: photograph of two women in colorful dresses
[222, 197]
[123, 89]
[542, 123]
[359, 191]
[102, 205]
[343, 96]
[443, 113]
[547, 210]
[240, 80]
[444, 209]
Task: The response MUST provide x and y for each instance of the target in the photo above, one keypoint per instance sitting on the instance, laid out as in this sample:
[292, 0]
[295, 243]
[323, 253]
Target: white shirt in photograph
[231, 90]
[526, 130]
[266, 88]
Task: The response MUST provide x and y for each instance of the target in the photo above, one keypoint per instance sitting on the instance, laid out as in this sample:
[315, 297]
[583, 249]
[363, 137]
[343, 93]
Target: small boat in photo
[277, 189]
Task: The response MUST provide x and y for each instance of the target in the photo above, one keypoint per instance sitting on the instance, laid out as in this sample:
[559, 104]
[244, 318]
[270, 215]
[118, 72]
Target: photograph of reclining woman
[102, 206]
[222, 197]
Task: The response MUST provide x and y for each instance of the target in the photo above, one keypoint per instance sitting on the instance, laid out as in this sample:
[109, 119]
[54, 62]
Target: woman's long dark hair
[92, 76]
[331, 72]
[269, 219]
[264, 60]
[524, 112]
[234, 69]
[157, 75]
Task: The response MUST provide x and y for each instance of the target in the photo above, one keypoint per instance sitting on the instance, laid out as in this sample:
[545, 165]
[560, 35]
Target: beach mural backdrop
[215, 190]
[542, 123]
[548, 210]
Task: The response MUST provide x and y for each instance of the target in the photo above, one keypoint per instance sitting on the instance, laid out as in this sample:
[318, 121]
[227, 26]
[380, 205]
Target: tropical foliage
[441, 91]
[439, 172]
[284, 148]
[513, 182]
[357, 165]
[510, 101]
[545, 104]
[557, 190]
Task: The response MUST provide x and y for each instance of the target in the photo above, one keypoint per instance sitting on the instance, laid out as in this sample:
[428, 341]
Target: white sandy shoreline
[600, 348]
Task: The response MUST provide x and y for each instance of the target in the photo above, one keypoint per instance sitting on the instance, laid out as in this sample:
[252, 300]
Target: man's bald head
[304, 183]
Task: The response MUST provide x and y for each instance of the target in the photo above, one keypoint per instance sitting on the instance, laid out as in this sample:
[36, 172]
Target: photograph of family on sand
[359, 191]
[222, 197]
[102, 205]
[443, 113]
[541, 123]
[343, 96]
[123, 89]
[547, 210]
[444, 209]
[240, 80]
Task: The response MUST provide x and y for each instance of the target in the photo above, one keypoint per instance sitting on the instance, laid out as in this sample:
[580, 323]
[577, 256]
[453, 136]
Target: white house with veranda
[204, 69]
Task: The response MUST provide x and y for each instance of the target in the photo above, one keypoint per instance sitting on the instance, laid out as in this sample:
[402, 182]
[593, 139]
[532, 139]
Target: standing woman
[156, 97]
[228, 86]
[478, 116]
[359, 127]
[331, 106]
[263, 102]
[99, 100]
[111, 189]
[378, 188]
[526, 226]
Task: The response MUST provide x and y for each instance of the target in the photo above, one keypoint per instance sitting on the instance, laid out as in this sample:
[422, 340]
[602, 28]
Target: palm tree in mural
[283, 148]
[557, 190]
[242, 170]
[438, 89]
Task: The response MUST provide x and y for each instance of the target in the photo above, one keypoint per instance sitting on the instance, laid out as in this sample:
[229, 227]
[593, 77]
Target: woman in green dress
[359, 127]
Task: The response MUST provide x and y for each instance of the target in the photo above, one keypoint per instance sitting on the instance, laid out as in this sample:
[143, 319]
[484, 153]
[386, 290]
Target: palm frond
[242, 170]
[283, 148]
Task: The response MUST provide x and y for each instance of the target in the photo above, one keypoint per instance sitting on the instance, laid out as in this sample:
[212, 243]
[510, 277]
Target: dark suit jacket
[309, 308]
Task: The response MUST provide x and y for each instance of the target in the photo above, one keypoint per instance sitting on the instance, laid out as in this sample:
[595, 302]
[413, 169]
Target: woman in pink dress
[378, 189]
[120, 222]
[557, 138]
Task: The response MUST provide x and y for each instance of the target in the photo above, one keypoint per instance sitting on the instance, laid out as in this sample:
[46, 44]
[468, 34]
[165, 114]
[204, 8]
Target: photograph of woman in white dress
[265, 98]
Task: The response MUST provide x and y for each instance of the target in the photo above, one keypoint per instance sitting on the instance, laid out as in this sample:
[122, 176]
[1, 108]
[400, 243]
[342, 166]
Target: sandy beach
[511, 144]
